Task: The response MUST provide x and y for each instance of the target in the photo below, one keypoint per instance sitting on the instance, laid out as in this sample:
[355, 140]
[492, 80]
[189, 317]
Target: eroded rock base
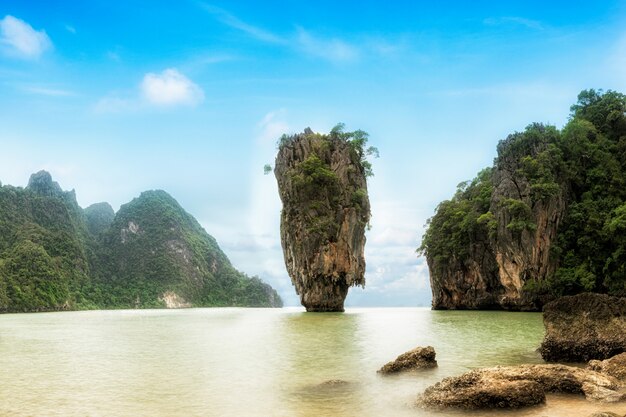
[324, 295]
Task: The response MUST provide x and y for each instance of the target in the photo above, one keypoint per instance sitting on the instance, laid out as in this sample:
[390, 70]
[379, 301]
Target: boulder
[584, 327]
[615, 366]
[418, 358]
[519, 386]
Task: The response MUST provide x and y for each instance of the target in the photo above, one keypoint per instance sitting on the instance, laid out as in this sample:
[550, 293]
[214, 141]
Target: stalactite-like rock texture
[323, 187]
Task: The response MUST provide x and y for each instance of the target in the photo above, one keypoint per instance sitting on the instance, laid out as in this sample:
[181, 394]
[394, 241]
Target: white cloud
[46, 91]
[114, 104]
[170, 88]
[71, 29]
[19, 39]
[334, 50]
[235, 23]
[514, 20]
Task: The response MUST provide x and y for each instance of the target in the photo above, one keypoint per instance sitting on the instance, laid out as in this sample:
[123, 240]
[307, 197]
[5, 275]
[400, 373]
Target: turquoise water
[252, 362]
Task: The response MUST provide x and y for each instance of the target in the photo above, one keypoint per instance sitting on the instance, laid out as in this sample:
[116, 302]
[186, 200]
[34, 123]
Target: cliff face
[323, 187]
[547, 220]
[509, 245]
[56, 256]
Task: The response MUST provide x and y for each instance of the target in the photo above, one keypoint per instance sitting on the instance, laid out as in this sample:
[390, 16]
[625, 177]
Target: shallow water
[252, 362]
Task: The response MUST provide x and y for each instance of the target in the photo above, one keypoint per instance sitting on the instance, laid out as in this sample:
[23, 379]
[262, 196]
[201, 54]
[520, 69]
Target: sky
[114, 98]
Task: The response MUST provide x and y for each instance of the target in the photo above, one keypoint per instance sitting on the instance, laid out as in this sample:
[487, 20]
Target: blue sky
[114, 98]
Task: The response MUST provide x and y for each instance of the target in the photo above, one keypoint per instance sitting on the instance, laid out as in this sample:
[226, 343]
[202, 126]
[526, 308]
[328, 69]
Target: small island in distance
[54, 255]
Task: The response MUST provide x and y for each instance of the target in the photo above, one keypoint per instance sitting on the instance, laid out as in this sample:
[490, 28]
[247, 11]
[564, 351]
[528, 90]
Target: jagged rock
[584, 327]
[500, 261]
[605, 414]
[615, 366]
[42, 184]
[323, 188]
[418, 358]
[518, 386]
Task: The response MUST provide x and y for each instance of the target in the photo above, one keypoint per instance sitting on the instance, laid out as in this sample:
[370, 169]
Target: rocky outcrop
[510, 244]
[584, 327]
[418, 358]
[323, 188]
[615, 366]
[519, 386]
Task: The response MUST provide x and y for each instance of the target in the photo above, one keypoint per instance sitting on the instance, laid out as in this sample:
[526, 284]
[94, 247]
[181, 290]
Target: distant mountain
[152, 253]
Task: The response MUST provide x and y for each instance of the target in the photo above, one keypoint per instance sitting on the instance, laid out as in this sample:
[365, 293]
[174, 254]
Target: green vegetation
[460, 221]
[583, 165]
[56, 256]
[319, 188]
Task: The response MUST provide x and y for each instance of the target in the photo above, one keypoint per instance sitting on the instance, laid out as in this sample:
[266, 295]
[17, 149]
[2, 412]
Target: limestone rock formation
[509, 247]
[56, 256]
[584, 327]
[323, 188]
[547, 219]
[615, 366]
[418, 358]
[519, 386]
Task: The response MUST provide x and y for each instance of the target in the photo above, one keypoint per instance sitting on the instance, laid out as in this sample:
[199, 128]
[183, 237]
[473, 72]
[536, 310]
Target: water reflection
[321, 357]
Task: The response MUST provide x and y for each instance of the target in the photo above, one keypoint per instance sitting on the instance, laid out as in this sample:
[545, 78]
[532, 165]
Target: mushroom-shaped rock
[418, 358]
[323, 188]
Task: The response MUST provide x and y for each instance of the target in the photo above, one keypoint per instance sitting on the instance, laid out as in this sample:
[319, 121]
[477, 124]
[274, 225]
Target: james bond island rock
[519, 386]
[548, 219]
[323, 188]
[583, 327]
[56, 256]
[418, 358]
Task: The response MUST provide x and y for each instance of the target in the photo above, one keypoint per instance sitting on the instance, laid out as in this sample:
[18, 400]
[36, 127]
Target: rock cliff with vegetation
[322, 180]
[56, 256]
[548, 219]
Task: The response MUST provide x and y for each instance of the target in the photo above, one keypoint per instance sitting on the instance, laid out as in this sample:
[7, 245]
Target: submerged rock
[583, 327]
[418, 358]
[323, 188]
[615, 366]
[518, 386]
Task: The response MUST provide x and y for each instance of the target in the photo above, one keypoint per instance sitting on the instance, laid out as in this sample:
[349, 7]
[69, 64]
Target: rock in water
[322, 184]
[418, 358]
[518, 386]
[583, 327]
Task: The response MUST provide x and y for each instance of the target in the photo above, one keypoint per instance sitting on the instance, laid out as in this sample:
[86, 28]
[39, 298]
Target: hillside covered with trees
[151, 253]
[548, 219]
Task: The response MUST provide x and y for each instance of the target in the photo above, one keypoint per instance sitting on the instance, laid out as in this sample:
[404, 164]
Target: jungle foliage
[56, 256]
[585, 162]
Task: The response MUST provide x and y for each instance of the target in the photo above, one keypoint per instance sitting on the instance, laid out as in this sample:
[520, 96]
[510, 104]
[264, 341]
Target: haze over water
[252, 362]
